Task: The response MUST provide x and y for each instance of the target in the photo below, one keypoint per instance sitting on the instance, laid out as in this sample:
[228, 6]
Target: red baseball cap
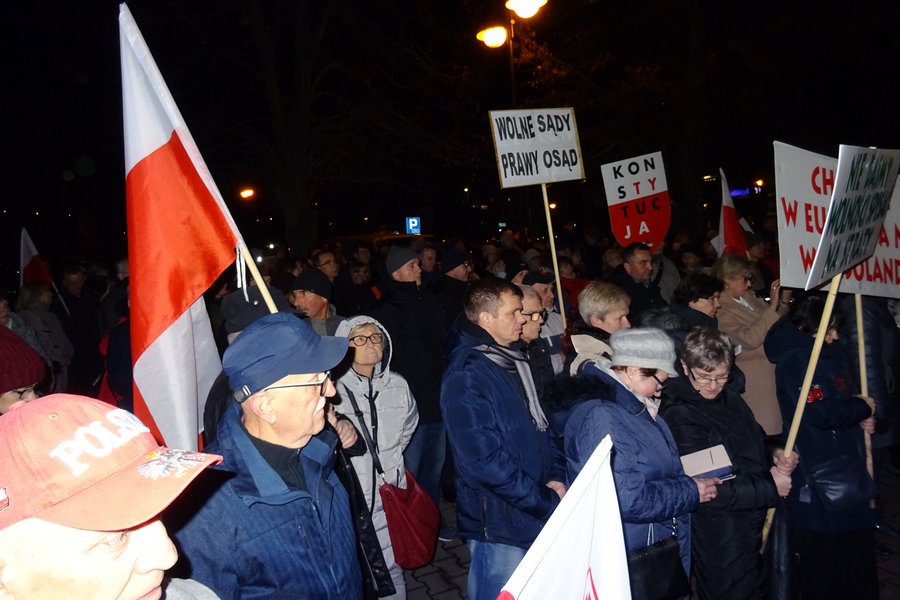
[82, 463]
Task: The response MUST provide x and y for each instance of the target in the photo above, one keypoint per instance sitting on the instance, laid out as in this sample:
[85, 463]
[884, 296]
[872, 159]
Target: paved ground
[445, 577]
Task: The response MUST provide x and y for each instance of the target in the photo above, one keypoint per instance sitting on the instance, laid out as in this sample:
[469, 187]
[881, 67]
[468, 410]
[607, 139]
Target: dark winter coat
[257, 538]
[830, 424]
[643, 297]
[650, 482]
[503, 461]
[727, 531]
[413, 318]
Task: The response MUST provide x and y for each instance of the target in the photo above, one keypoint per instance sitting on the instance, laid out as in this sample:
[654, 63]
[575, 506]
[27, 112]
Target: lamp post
[494, 37]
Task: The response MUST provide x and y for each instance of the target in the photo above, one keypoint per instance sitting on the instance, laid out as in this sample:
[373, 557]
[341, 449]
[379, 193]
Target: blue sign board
[414, 225]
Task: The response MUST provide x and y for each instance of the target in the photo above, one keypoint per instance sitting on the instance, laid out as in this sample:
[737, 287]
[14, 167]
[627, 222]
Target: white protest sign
[536, 146]
[638, 198]
[863, 184]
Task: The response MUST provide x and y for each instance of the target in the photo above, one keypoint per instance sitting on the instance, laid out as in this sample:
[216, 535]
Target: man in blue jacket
[279, 524]
[509, 474]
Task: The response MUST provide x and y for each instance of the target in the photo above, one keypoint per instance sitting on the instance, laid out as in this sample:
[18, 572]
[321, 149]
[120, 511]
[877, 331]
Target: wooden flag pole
[260, 283]
[807, 383]
[864, 382]
[559, 290]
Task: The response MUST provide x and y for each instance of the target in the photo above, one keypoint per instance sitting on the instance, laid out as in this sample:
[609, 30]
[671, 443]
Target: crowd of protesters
[461, 363]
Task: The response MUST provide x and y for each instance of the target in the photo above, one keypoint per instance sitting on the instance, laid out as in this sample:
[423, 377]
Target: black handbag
[656, 572]
[842, 482]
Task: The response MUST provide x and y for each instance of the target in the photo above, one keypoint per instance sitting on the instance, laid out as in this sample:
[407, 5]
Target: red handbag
[412, 518]
[413, 522]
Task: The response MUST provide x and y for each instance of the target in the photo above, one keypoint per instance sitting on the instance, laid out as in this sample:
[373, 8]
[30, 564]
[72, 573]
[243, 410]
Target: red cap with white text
[82, 463]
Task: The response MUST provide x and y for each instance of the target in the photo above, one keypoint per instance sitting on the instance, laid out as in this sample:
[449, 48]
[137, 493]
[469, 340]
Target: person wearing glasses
[379, 403]
[621, 399]
[278, 523]
[537, 352]
[703, 411]
[21, 370]
[746, 319]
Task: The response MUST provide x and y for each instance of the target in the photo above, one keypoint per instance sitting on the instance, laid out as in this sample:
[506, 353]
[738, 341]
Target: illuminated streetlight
[525, 8]
[492, 37]
[759, 182]
[552, 205]
[247, 193]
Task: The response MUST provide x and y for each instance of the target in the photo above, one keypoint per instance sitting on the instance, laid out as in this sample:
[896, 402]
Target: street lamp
[494, 37]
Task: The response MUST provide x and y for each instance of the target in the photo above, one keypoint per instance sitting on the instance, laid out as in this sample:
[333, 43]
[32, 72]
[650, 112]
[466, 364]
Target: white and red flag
[580, 552]
[181, 237]
[731, 238]
[32, 267]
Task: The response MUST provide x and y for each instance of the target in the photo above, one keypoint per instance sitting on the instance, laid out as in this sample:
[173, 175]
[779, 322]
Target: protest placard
[536, 146]
[638, 199]
[804, 183]
[863, 185]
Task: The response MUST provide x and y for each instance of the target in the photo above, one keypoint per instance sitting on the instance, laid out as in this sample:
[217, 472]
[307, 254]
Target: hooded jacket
[503, 461]
[650, 482]
[388, 411]
[255, 537]
[727, 531]
[830, 424]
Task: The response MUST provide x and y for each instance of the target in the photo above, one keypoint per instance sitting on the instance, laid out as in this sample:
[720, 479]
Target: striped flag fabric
[580, 552]
[181, 237]
[32, 267]
[731, 238]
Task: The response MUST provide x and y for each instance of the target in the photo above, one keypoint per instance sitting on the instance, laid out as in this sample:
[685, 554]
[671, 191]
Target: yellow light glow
[759, 182]
[552, 205]
[525, 8]
[492, 37]
[247, 193]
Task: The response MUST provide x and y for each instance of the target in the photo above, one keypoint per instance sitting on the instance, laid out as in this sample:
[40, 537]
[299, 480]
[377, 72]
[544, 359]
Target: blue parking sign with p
[413, 225]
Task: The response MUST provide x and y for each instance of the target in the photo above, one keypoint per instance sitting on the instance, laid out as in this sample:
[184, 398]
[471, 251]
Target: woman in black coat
[702, 412]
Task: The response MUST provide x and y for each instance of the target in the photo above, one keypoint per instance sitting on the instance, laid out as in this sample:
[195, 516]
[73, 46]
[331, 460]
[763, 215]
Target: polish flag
[181, 237]
[32, 267]
[731, 238]
[580, 552]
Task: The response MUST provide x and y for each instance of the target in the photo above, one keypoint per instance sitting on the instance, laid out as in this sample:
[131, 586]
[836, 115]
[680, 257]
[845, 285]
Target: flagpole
[864, 381]
[260, 282]
[807, 384]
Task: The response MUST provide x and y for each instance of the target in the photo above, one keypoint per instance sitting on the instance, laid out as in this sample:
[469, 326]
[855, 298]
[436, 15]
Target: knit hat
[20, 366]
[397, 257]
[315, 281]
[453, 258]
[82, 463]
[648, 348]
[276, 346]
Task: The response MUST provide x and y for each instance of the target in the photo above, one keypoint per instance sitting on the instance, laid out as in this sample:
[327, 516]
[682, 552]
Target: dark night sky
[805, 74]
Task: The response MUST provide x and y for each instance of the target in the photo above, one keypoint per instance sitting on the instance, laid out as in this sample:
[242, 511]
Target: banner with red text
[804, 183]
[580, 552]
[638, 198]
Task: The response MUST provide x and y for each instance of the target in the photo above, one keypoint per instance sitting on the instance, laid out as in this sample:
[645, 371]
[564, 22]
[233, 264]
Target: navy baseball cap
[275, 346]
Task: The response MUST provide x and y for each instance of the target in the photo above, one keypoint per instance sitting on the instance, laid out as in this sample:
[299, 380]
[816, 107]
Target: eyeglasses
[25, 390]
[659, 382]
[360, 340]
[322, 383]
[706, 380]
[536, 315]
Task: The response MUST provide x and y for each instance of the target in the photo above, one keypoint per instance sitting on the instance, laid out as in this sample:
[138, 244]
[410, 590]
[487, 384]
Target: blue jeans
[490, 567]
[424, 456]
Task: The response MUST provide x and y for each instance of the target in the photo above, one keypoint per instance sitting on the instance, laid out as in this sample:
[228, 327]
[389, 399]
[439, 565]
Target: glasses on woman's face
[322, 384]
[707, 380]
[536, 315]
[22, 392]
[659, 382]
[360, 340]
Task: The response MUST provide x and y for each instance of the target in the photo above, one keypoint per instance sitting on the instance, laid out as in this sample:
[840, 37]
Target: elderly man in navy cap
[280, 524]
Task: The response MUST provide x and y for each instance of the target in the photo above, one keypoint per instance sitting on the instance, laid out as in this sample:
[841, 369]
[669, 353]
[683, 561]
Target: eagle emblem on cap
[170, 463]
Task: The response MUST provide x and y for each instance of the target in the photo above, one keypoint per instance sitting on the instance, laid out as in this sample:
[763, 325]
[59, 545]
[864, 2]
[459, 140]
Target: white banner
[536, 146]
[580, 552]
[638, 199]
[863, 185]
[804, 183]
